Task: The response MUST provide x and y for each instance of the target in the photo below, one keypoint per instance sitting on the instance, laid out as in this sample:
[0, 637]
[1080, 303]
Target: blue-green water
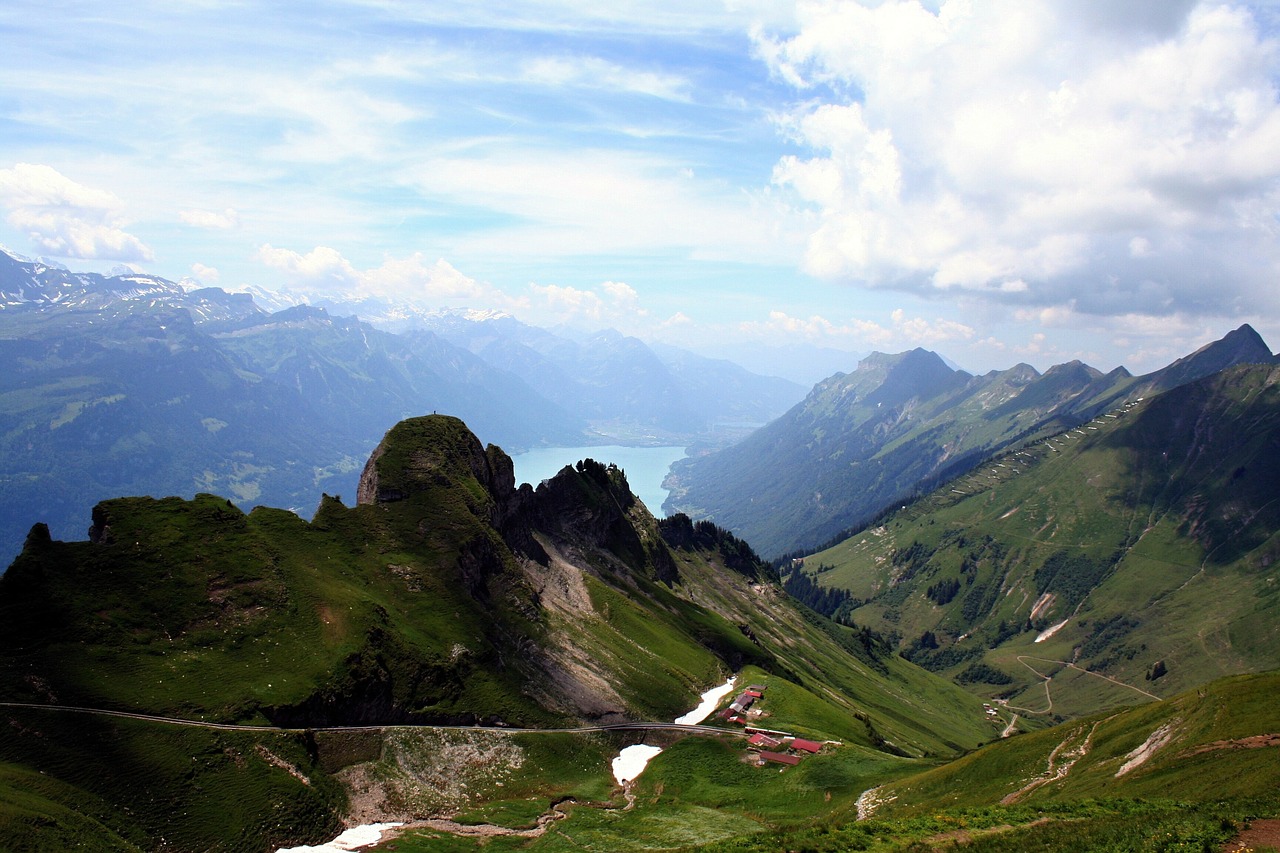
[645, 467]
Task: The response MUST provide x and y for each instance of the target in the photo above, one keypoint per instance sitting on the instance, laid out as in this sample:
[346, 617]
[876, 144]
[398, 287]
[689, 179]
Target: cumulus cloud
[902, 332]
[414, 280]
[411, 279]
[322, 268]
[205, 275]
[1124, 157]
[67, 219]
[614, 304]
[211, 219]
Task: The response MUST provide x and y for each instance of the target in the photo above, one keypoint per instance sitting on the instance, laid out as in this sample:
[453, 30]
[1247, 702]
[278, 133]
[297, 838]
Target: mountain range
[1083, 560]
[897, 425]
[1128, 558]
[131, 384]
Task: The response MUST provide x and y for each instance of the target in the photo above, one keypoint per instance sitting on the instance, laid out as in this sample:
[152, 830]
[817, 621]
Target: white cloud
[591, 72]
[322, 268]
[614, 304]
[1036, 151]
[67, 219]
[901, 332]
[1141, 342]
[434, 285]
[205, 275]
[411, 279]
[595, 202]
[224, 221]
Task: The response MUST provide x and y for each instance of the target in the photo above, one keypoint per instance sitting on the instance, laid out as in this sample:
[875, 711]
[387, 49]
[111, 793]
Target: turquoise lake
[645, 467]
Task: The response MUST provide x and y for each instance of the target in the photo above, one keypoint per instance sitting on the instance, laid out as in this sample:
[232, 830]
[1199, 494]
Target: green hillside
[1126, 559]
[1184, 774]
[445, 597]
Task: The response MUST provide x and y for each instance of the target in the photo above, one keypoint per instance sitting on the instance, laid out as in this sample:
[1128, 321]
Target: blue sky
[998, 180]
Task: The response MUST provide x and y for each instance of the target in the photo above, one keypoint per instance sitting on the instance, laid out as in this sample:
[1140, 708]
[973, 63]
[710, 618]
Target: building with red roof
[805, 745]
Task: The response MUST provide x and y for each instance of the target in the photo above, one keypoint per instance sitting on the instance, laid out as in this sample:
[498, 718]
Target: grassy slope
[1146, 513]
[77, 782]
[1194, 791]
[701, 790]
[200, 610]
[379, 613]
[860, 697]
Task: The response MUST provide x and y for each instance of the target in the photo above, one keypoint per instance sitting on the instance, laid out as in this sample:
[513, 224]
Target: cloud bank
[1112, 158]
[67, 219]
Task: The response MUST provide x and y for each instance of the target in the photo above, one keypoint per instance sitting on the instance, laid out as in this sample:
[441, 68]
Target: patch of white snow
[1049, 632]
[352, 839]
[631, 762]
[710, 701]
[1157, 739]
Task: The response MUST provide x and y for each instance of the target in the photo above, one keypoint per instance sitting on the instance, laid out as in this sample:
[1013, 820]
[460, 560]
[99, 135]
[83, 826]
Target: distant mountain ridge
[132, 384]
[864, 439]
[623, 386]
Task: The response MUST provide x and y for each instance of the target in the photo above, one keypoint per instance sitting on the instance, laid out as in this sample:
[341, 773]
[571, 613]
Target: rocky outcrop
[588, 505]
[436, 450]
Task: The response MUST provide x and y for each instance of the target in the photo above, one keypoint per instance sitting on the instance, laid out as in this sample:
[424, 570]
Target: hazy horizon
[1032, 181]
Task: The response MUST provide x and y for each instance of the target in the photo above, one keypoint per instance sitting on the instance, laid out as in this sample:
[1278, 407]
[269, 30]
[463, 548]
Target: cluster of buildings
[770, 746]
[740, 709]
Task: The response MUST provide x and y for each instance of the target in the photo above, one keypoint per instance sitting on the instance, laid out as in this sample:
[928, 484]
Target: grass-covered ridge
[897, 424]
[445, 597]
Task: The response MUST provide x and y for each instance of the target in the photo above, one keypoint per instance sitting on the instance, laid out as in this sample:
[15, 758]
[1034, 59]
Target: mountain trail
[1047, 679]
[1251, 742]
[1260, 835]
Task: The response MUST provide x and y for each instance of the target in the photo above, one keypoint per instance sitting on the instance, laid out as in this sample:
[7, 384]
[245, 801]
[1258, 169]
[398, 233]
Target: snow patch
[1160, 737]
[1049, 632]
[631, 762]
[710, 701]
[352, 839]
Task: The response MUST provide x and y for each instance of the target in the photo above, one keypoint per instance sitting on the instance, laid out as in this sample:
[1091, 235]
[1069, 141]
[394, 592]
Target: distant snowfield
[352, 839]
